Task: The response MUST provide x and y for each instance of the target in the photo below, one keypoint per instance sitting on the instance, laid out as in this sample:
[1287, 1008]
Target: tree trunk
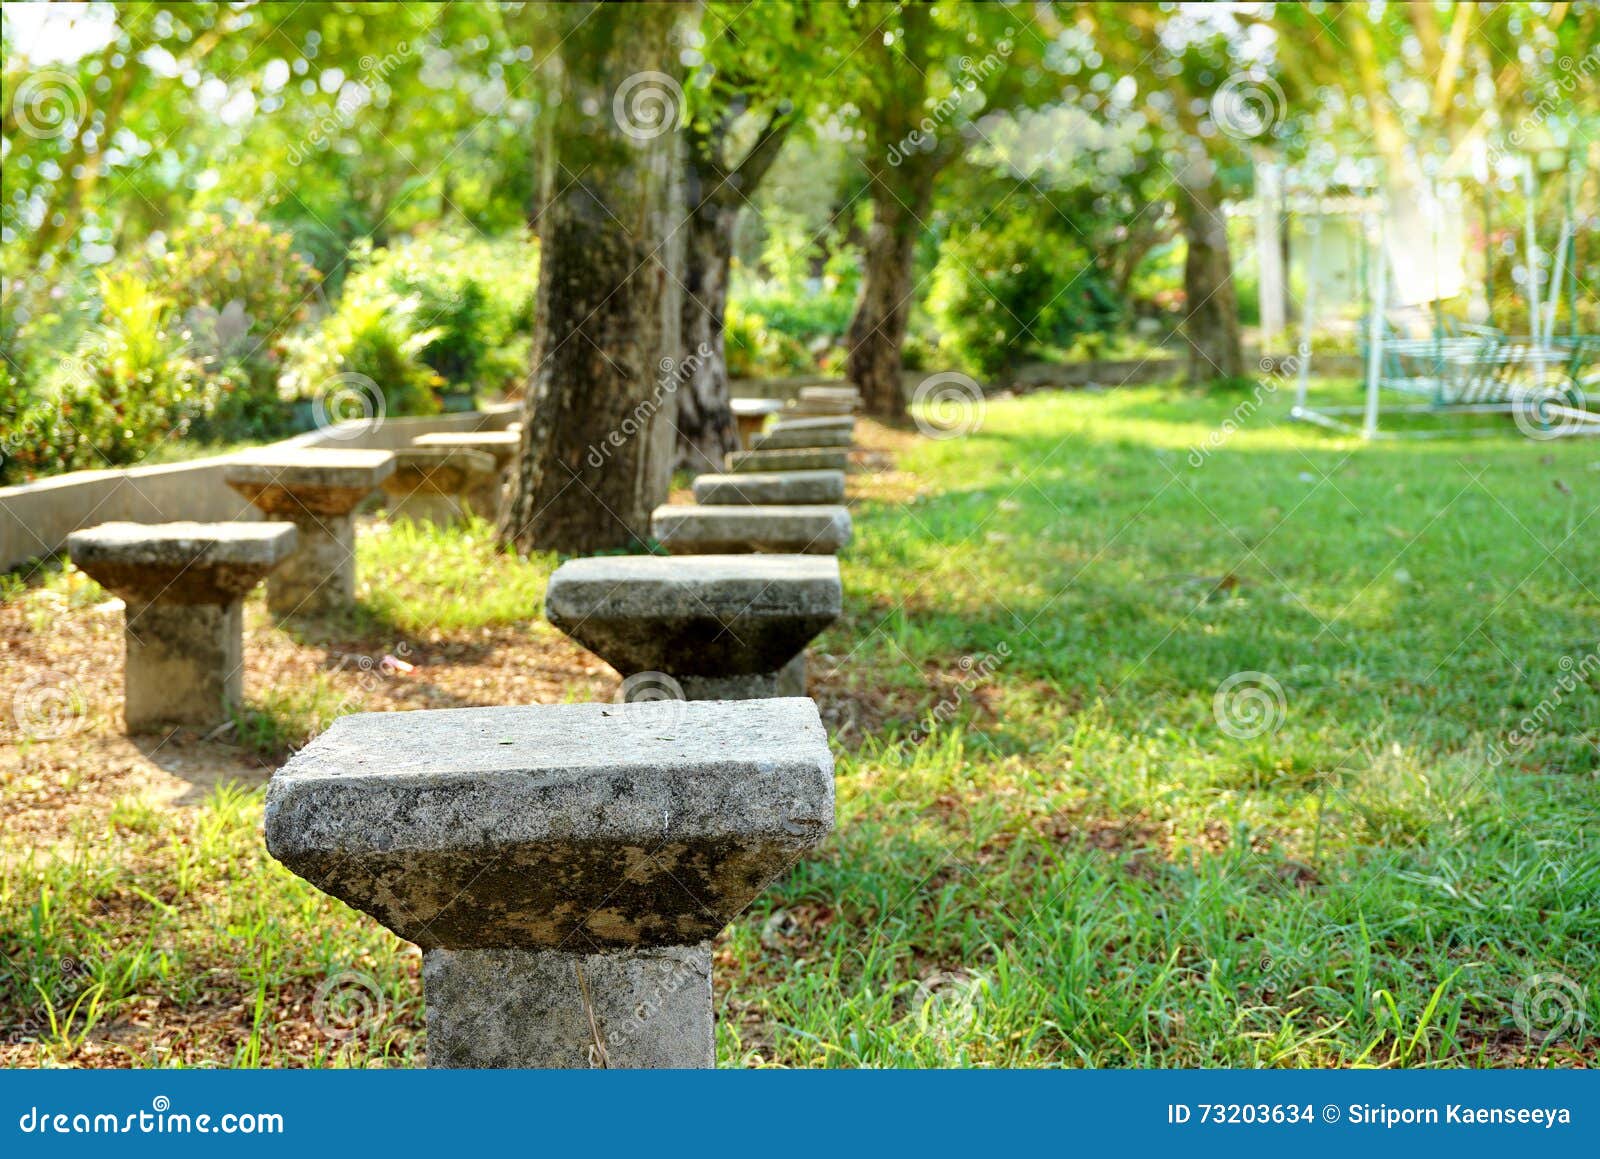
[901, 196]
[594, 461]
[1211, 326]
[706, 430]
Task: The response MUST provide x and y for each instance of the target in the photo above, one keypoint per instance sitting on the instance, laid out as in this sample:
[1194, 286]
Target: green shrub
[1009, 288]
[128, 387]
[475, 297]
[757, 350]
[237, 289]
[372, 334]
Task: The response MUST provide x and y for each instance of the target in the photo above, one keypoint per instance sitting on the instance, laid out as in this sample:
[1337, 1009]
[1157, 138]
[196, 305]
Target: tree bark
[706, 429]
[883, 309]
[714, 196]
[595, 454]
[1211, 326]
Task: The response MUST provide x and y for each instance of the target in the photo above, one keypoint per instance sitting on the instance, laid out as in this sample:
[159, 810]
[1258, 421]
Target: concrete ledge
[36, 518]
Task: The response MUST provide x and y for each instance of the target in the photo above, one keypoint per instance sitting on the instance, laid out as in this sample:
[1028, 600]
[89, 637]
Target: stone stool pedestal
[797, 529]
[725, 627]
[807, 459]
[563, 867]
[183, 587]
[766, 488]
[501, 446]
[430, 484]
[750, 414]
[316, 490]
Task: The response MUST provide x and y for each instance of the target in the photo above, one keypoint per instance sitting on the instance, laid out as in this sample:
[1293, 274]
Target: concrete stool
[725, 627]
[316, 490]
[818, 459]
[564, 866]
[750, 414]
[694, 530]
[779, 487]
[793, 435]
[501, 446]
[183, 587]
[430, 483]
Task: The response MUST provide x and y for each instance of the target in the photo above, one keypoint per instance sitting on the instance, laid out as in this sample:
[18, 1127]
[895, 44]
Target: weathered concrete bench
[501, 446]
[430, 484]
[824, 459]
[798, 433]
[316, 490]
[761, 488]
[750, 413]
[816, 529]
[724, 627]
[563, 867]
[840, 393]
[183, 587]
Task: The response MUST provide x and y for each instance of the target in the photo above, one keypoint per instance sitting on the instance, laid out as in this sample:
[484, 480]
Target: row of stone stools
[565, 867]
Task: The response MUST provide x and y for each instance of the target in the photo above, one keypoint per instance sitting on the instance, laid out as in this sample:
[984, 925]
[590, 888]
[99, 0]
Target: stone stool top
[769, 487]
[312, 481]
[181, 563]
[787, 436]
[500, 444]
[713, 615]
[572, 826]
[438, 470]
[838, 392]
[807, 459]
[797, 528]
[819, 423]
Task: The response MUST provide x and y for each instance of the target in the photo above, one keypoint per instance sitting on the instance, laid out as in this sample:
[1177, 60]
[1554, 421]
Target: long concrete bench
[793, 435]
[183, 587]
[563, 867]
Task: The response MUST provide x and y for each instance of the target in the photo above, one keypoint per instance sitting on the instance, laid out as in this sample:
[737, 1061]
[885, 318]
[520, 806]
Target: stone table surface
[755, 406]
[500, 444]
[566, 826]
[714, 615]
[198, 563]
[309, 482]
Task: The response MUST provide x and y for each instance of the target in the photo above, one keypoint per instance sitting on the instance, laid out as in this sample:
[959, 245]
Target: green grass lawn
[1283, 753]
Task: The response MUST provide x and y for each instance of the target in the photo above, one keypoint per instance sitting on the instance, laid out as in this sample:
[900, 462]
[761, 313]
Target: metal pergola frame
[1490, 356]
